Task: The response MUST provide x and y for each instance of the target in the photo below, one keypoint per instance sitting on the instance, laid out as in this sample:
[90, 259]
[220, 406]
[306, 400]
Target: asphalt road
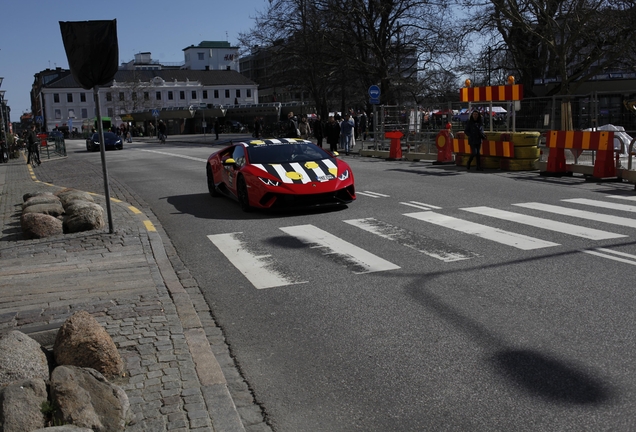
[438, 300]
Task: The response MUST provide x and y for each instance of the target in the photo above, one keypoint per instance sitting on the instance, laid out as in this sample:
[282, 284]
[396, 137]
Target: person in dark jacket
[292, 127]
[475, 133]
[332, 132]
[33, 146]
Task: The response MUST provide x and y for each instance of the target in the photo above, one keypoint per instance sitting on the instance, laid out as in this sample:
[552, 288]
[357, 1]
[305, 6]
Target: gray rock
[85, 398]
[68, 196]
[82, 341]
[26, 196]
[47, 198]
[21, 358]
[65, 428]
[21, 406]
[51, 208]
[38, 225]
[83, 216]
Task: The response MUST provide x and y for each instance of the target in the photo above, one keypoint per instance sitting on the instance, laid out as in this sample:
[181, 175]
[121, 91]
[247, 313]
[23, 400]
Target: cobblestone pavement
[180, 373]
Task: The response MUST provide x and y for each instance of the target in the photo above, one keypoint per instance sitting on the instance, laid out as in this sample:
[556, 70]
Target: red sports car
[284, 172]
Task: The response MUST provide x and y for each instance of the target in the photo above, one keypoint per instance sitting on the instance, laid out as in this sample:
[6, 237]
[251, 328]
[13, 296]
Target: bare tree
[571, 40]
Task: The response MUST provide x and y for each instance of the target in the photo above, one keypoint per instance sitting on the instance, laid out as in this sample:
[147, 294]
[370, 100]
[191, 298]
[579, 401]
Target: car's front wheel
[243, 199]
[211, 186]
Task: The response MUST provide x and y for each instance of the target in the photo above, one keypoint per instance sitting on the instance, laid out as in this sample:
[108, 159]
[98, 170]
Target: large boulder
[65, 428]
[85, 398]
[49, 208]
[38, 225]
[68, 196]
[83, 216]
[44, 198]
[21, 406]
[21, 358]
[81, 341]
[28, 195]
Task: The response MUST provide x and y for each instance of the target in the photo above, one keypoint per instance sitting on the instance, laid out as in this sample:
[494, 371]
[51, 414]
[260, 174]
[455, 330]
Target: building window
[158, 95]
[56, 97]
[58, 114]
[216, 94]
[121, 96]
[84, 113]
[146, 96]
[82, 97]
[249, 92]
[109, 97]
[205, 94]
[194, 94]
[238, 93]
[227, 94]
[69, 97]
[182, 95]
[71, 113]
[170, 96]
[200, 56]
[110, 112]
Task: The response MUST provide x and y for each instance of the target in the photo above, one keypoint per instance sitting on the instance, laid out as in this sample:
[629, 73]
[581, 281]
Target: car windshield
[107, 136]
[284, 152]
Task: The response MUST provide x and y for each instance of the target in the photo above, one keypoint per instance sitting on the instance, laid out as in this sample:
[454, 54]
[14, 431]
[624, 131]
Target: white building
[211, 55]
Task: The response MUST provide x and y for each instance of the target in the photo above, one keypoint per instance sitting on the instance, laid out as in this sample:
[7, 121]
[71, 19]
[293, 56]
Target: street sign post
[374, 95]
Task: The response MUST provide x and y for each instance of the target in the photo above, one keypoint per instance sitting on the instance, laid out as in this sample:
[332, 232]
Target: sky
[30, 38]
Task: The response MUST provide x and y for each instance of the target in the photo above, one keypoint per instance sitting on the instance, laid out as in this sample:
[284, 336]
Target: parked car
[284, 172]
[111, 142]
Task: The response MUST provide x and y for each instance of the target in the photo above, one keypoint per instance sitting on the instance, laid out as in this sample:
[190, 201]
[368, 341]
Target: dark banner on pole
[92, 51]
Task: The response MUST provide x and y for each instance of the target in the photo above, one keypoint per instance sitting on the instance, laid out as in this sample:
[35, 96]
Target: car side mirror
[229, 162]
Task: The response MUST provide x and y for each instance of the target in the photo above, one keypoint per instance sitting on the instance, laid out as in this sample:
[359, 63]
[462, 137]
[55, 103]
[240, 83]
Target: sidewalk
[179, 372]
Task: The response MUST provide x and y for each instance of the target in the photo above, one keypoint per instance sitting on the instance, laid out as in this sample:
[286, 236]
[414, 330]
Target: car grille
[343, 196]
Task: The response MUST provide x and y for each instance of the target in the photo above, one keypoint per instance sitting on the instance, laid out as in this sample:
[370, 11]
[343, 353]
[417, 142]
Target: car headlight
[344, 175]
[269, 182]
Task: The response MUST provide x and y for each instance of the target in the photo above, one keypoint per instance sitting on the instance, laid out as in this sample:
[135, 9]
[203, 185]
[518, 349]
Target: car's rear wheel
[211, 187]
[241, 191]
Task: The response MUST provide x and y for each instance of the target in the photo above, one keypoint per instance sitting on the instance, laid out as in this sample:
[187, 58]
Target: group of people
[339, 132]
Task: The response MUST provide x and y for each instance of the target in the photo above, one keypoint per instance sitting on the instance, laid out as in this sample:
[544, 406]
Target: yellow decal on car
[333, 171]
[294, 175]
[311, 165]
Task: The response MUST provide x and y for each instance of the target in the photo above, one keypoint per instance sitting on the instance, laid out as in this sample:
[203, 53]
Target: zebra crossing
[263, 270]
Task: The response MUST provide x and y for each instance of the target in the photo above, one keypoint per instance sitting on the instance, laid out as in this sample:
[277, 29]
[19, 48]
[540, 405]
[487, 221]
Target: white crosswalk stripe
[547, 224]
[433, 248]
[260, 270]
[582, 214]
[602, 204]
[361, 260]
[372, 194]
[508, 238]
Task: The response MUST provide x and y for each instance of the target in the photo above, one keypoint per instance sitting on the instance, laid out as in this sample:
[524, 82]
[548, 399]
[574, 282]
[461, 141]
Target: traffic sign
[39, 119]
[155, 113]
[374, 92]
[374, 101]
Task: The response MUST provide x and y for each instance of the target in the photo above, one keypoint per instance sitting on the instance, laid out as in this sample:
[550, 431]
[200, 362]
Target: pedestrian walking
[257, 127]
[332, 133]
[346, 133]
[318, 129]
[291, 129]
[33, 147]
[475, 133]
[304, 128]
[217, 127]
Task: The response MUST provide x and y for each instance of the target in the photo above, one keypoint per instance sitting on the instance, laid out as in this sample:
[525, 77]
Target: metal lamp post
[2, 102]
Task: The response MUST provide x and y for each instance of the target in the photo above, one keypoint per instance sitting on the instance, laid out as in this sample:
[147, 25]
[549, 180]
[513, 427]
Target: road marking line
[425, 245]
[420, 205]
[602, 204]
[628, 198]
[373, 194]
[626, 261]
[149, 226]
[362, 260]
[575, 230]
[518, 241]
[174, 155]
[258, 269]
[583, 214]
[135, 210]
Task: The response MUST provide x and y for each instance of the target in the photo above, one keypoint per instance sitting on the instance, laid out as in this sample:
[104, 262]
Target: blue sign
[155, 113]
[374, 92]
[374, 101]
[39, 119]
